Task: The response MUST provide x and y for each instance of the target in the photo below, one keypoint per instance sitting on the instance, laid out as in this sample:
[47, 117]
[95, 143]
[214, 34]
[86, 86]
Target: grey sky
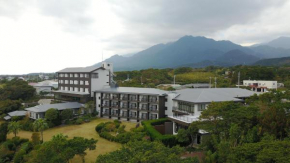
[45, 36]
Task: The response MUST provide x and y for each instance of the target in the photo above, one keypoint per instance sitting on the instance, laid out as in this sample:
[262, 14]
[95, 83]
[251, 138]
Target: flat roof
[133, 90]
[17, 113]
[81, 69]
[59, 106]
[208, 95]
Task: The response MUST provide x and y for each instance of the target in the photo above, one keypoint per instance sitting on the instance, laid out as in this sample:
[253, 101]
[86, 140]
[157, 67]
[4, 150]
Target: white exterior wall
[261, 83]
[101, 81]
[98, 102]
[170, 103]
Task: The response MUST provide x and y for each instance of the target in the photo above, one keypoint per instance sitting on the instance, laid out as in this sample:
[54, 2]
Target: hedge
[168, 140]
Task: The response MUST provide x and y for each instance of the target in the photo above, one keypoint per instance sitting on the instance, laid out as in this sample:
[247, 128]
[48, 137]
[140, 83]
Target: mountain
[281, 42]
[265, 51]
[188, 50]
[274, 62]
[236, 57]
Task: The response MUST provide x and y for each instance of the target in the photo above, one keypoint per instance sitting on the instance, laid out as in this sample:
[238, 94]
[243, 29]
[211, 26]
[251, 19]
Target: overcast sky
[49, 35]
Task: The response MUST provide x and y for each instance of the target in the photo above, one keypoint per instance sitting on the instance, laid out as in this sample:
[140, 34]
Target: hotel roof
[208, 95]
[59, 106]
[133, 90]
[81, 69]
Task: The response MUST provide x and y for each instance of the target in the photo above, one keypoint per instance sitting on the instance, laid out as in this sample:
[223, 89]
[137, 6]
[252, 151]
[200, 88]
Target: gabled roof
[208, 95]
[133, 90]
[81, 69]
[59, 106]
[17, 113]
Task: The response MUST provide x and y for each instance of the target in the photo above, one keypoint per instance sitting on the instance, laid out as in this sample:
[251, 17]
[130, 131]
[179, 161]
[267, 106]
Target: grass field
[86, 130]
[194, 77]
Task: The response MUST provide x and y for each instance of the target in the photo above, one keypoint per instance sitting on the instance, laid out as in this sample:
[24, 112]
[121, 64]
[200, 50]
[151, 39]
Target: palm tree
[14, 127]
[40, 125]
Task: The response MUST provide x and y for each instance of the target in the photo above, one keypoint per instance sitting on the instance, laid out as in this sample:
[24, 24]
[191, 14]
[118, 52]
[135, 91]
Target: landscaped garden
[86, 130]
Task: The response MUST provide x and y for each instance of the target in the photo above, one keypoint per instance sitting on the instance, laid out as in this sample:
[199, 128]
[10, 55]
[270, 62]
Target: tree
[52, 117]
[40, 125]
[193, 131]
[61, 149]
[145, 151]
[89, 107]
[14, 127]
[182, 136]
[3, 132]
[66, 114]
[35, 138]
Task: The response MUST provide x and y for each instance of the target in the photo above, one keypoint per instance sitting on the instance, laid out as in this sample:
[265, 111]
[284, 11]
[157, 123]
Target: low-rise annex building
[260, 85]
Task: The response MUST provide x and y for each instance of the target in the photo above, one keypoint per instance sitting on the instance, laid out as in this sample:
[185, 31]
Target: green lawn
[86, 130]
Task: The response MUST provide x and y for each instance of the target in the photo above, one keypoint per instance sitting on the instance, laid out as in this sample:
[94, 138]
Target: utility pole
[239, 75]
[141, 80]
[174, 80]
[214, 82]
[209, 82]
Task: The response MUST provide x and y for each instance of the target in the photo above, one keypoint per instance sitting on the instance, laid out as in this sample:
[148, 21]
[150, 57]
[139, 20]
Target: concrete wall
[101, 81]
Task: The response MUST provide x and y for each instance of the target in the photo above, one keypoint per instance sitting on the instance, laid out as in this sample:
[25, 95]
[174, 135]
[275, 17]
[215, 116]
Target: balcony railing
[106, 105]
[105, 113]
[153, 100]
[151, 117]
[133, 107]
[133, 116]
[143, 117]
[124, 115]
[115, 114]
[182, 111]
[143, 108]
[133, 99]
[106, 97]
[124, 98]
[144, 100]
[124, 106]
[114, 105]
[115, 98]
[187, 119]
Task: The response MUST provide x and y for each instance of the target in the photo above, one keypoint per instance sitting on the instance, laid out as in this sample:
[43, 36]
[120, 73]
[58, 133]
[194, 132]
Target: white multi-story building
[260, 85]
[77, 84]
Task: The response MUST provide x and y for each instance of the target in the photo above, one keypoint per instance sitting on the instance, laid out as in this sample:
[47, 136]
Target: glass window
[95, 75]
[201, 107]
[184, 106]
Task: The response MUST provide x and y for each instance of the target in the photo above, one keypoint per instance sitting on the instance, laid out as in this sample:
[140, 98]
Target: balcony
[133, 116]
[132, 107]
[144, 100]
[176, 109]
[106, 105]
[185, 118]
[106, 97]
[153, 100]
[144, 108]
[143, 118]
[124, 98]
[124, 106]
[105, 113]
[115, 115]
[114, 105]
[133, 99]
[153, 117]
[124, 115]
[115, 98]
[155, 109]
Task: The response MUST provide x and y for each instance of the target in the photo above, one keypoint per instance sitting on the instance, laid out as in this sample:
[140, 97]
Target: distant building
[45, 86]
[260, 85]
[15, 114]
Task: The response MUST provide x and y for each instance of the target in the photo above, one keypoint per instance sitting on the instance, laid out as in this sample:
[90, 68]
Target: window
[71, 82]
[76, 82]
[86, 75]
[87, 90]
[71, 89]
[201, 107]
[87, 82]
[95, 75]
[66, 88]
[81, 89]
[81, 75]
[76, 89]
[71, 75]
[108, 65]
[184, 106]
[76, 75]
[81, 82]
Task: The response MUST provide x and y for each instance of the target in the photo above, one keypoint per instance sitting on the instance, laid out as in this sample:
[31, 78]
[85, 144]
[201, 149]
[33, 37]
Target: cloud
[157, 21]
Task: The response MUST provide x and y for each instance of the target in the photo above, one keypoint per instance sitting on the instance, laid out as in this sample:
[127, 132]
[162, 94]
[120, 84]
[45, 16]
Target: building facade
[260, 85]
[130, 104]
[78, 84]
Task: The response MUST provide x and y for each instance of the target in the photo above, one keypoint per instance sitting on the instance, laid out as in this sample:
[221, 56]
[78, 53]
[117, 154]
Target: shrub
[79, 121]
[99, 127]
[27, 124]
[3, 132]
[66, 114]
[168, 140]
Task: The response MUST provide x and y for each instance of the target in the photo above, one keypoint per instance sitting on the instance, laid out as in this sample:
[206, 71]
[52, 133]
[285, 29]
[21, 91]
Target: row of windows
[73, 75]
[76, 82]
[75, 89]
[189, 107]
